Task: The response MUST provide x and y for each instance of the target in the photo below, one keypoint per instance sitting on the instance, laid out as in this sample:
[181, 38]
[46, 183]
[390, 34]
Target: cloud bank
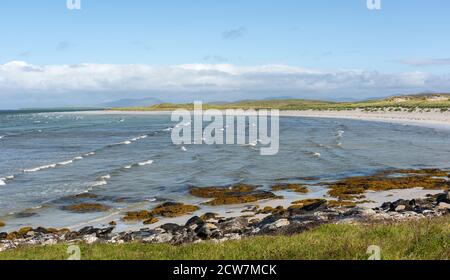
[425, 62]
[27, 85]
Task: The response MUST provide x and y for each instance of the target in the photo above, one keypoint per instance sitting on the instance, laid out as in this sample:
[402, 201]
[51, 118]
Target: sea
[128, 161]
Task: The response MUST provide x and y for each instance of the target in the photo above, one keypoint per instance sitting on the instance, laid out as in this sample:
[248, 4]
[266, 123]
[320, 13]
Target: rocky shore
[302, 216]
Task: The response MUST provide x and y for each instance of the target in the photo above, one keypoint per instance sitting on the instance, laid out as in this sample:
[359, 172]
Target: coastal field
[411, 103]
[426, 239]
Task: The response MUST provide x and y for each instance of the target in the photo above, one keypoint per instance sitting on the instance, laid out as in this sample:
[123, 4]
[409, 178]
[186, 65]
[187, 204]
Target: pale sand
[434, 118]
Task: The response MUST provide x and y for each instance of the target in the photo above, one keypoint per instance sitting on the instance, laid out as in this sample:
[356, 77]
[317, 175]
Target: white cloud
[425, 62]
[223, 81]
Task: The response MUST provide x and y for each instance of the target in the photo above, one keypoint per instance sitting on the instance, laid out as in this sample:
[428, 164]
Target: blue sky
[319, 38]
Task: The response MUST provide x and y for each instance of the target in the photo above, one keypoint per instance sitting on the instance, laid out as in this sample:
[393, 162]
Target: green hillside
[408, 102]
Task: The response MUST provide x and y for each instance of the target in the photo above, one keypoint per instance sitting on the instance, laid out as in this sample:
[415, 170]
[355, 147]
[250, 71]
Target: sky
[204, 50]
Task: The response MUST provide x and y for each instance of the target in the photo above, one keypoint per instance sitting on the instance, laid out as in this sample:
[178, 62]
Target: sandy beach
[433, 118]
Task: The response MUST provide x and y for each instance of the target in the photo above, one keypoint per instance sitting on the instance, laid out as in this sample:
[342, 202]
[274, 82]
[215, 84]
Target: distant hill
[132, 102]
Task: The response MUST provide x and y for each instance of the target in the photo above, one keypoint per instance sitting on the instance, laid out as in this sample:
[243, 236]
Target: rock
[292, 187]
[3, 235]
[158, 238]
[194, 221]
[90, 239]
[104, 232]
[400, 208]
[151, 221]
[444, 206]
[368, 212]
[235, 225]
[137, 216]
[172, 209]
[86, 208]
[236, 194]
[206, 230]
[208, 216]
[445, 197]
[277, 224]
[8, 245]
[306, 205]
[24, 231]
[171, 227]
[87, 231]
[405, 205]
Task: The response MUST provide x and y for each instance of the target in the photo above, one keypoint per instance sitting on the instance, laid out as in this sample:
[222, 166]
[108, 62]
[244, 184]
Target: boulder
[277, 224]
[171, 227]
[445, 197]
[194, 222]
[90, 239]
[235, 225]
[206, 231]
[444, 206]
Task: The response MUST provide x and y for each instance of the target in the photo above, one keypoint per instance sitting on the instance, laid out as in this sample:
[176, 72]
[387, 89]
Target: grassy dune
[412, 102]
[424, 239]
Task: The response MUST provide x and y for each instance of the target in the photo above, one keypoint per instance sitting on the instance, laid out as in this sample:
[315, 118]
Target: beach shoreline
[434, 118]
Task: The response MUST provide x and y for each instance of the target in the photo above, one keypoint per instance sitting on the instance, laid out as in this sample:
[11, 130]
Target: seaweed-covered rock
[279, 210]
[151, 221]
[355, 187]
[137, 216]
[237, 194]
[86, 208]
[341, 203]
[172, 209]
[306, 205]
[2, 224]
[290, 187]
[213, 192]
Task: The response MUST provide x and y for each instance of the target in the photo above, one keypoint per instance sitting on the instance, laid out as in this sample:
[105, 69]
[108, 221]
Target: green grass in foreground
[425, 239]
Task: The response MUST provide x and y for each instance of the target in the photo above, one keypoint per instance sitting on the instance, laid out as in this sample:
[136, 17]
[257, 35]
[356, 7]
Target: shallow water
[131, 163]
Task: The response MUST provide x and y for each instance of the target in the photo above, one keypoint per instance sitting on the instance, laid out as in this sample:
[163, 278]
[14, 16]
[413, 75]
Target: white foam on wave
[99, 183]
[2, 136]
[317, 155]
[106, 177]
[128, 142]
[128, 167]
[54, 165]
[2, 182]
[168, 129]
[43, 167]
[148, 162]
[139, 138]
[340, 133]
[184, 149]
[65, 162]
